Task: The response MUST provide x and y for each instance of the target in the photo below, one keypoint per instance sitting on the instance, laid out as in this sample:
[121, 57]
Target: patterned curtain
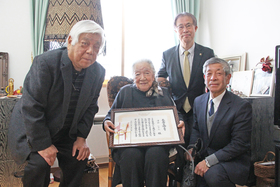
[63, 14]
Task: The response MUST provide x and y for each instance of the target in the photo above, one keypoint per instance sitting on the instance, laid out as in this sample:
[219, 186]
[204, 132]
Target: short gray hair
[185, 14]
[215, 60]
[141, 61]
[86, 26]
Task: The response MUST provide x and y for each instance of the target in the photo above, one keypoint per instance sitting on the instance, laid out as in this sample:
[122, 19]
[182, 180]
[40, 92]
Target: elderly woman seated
[138, 165]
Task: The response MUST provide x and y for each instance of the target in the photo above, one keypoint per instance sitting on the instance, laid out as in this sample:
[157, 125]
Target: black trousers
[136, 165]
[180, 161]
[188, 120]
[37, 171]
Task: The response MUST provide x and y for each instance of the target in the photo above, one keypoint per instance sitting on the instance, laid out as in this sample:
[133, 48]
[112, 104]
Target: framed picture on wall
[263, 82]
[236, 62]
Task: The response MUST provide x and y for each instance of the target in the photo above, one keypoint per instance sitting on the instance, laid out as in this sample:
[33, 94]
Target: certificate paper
[145, 127]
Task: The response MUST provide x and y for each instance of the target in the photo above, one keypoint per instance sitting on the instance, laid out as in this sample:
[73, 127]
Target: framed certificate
[145, 127]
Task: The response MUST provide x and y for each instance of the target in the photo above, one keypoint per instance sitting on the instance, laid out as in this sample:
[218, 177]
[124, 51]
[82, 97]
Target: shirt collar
[182, 50]
[217, 99]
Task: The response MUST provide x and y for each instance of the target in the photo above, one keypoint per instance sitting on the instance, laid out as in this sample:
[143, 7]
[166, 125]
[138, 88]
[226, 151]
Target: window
[135, 30]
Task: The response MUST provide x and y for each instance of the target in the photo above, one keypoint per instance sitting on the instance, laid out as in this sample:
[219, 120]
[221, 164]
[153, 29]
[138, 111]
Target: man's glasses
[188, 26]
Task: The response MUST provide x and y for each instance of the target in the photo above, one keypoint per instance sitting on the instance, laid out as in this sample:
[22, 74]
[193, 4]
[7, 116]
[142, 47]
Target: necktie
[186, 73]
[211, 111]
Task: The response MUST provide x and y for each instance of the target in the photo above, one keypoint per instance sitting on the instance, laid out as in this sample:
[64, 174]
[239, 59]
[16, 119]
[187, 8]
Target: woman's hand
[182, 126]
[109, 127]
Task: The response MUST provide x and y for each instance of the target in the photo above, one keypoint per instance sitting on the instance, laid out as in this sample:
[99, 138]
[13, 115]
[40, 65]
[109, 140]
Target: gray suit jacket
[171, 68]
[41, 111]
[230, 135]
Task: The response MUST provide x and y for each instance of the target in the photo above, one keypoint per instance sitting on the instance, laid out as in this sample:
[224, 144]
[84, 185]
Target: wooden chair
[113, 87]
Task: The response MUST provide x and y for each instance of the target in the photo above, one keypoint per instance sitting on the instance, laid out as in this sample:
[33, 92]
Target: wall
[15, 37]
[233, 27]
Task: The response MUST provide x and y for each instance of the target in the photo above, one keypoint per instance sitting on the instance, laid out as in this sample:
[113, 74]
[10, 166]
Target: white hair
[85, 26]
[149, 62]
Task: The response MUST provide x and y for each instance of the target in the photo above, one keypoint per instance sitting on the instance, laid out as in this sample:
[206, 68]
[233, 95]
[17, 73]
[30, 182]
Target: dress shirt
[190, 56]
[217, 100]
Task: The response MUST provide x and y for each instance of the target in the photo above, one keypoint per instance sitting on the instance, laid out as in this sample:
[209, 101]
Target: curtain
[191, 6]
[62, 15]
[39, 10]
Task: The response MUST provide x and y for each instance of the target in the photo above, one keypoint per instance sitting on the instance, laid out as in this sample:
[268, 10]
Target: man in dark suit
[172, 66]
[55, 114]
[223, 121]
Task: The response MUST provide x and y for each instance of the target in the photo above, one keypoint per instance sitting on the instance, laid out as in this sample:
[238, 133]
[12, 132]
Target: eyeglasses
[188, 26]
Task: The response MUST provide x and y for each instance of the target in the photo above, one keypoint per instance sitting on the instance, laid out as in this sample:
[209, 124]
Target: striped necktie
[211, 111]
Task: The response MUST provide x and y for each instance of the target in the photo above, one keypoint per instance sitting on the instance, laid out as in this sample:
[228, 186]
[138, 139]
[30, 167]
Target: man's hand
[182, 125]
[81, 145]
[109, 127]
[201, 168]
[49, 154]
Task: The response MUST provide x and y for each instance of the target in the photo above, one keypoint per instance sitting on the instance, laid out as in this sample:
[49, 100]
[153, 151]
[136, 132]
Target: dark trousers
[180, 161]
[216, 176]
[136, 165]
[37, 171]
[188, 120]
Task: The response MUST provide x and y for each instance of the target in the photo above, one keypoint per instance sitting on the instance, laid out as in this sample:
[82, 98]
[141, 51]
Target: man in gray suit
[186, 79]
[223, 121]
[55, 114]
[185, 25]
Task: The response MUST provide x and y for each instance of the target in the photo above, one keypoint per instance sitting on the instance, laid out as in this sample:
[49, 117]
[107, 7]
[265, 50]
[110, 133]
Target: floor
[103, 178]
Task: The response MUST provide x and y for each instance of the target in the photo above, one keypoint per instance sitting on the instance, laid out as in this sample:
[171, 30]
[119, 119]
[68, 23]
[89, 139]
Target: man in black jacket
[55, 114]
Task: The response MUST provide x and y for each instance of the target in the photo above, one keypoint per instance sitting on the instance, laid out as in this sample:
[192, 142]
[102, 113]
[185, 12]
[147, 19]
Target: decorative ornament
[266, 64]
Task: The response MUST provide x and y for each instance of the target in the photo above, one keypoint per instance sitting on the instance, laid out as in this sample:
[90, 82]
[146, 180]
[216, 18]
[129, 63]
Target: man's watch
[207, 163]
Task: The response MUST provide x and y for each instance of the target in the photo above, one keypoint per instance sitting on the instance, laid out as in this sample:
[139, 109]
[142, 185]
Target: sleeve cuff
[212, 160]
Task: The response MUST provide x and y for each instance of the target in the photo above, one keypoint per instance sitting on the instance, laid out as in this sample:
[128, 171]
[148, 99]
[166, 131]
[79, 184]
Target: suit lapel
[196, 61]
[87, 86]
[204, 105]
[221, 112]
[66, 71]
[178, 64]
